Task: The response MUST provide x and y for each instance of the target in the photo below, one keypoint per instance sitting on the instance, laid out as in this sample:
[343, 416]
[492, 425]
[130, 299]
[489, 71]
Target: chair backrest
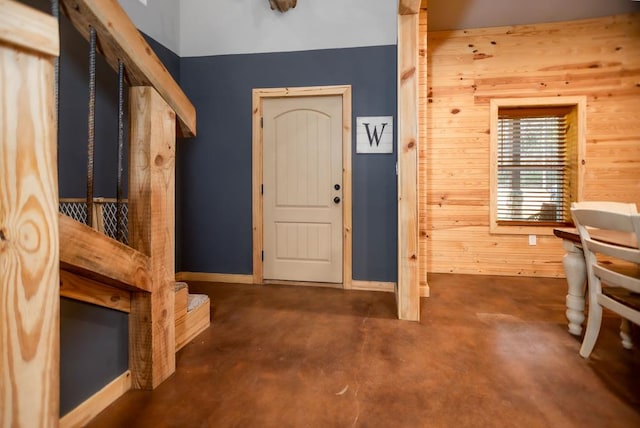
[594, 221]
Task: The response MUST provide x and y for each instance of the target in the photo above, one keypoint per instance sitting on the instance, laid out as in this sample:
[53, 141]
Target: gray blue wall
[213, 180]
[94, 350]
[215, 168]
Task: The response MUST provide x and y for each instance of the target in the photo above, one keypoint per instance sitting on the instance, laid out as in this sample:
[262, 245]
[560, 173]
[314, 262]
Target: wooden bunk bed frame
[41, 249]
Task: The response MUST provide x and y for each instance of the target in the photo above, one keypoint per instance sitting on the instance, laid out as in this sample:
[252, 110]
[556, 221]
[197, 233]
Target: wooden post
[29, 251]
[408, 294]
[423, 162]
[151, 231]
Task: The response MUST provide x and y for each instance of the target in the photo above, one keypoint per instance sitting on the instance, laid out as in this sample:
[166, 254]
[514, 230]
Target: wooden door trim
[257, 211]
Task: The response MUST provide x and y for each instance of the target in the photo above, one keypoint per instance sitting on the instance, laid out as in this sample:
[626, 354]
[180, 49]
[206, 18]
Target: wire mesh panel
[110, 220]
[74, 209]
[106, 211]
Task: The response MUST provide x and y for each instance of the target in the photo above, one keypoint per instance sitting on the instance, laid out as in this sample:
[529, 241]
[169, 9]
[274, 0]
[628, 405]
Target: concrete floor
[489, 352]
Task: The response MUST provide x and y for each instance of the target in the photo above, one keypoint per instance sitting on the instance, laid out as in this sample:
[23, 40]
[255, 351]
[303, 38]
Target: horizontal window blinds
[532, 167]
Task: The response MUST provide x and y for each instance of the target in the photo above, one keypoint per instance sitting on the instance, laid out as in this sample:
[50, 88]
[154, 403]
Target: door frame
[257, 169]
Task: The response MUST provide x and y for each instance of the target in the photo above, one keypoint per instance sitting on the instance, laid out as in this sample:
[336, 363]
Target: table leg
[625, 334]
[576, 271]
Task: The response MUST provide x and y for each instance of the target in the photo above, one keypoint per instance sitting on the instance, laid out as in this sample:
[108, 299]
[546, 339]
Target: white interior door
[302, 188]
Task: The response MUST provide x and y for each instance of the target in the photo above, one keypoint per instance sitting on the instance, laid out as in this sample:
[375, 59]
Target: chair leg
[625, 334]
[593, 328]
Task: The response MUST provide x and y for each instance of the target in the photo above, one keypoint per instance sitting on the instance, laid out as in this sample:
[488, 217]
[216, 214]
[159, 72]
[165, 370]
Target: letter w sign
[374, 134]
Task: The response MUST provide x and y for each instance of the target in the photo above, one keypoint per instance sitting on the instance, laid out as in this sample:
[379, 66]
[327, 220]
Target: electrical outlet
[532, 239]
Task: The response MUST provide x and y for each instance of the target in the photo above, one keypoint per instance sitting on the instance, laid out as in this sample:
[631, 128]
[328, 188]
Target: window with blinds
[533, 173]
[535, 147]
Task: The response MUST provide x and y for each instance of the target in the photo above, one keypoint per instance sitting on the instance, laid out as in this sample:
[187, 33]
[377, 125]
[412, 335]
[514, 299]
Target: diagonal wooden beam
[409, 7]
[91, 254]
[118, 39]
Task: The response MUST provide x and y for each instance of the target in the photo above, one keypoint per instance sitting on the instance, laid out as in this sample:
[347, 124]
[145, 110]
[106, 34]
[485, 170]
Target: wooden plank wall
[598, 58]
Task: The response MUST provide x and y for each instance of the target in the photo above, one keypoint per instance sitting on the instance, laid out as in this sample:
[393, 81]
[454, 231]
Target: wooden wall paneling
[151, 231]
[596, 58]
[408, 294]
[29, 243]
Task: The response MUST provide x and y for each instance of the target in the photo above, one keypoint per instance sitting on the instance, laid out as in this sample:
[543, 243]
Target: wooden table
[575, 268]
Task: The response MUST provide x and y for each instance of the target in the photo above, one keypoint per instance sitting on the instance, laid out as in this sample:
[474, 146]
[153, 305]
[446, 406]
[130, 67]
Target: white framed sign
[374, 134]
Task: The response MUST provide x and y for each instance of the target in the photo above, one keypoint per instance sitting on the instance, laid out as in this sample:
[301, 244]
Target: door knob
[336, 199]
[336, 186]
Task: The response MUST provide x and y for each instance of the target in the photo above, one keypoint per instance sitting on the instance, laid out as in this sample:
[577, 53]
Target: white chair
[613, 280]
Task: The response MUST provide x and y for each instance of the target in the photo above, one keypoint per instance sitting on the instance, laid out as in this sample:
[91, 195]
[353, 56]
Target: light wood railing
[29, 269]
[119, 39]
[39, 247]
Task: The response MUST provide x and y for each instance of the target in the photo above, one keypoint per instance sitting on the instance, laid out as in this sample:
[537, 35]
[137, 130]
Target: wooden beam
[29, 253]
[408, 7]
[423, 163]
[86, 290]
[408, 297]
[152, 231]
[89, 253]
[26, 28]
[118, 38]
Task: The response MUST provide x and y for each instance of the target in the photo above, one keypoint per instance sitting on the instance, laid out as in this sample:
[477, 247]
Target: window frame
[579, 103]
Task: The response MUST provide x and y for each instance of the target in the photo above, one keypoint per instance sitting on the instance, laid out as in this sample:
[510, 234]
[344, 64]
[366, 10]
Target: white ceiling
[215, 27]
[464, 14]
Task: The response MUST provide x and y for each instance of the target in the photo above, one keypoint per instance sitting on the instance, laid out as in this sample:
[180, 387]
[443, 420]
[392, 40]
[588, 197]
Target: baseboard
[388, 287]
[89, 409]
[229, 278]
[302, 283]
[232, 278]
